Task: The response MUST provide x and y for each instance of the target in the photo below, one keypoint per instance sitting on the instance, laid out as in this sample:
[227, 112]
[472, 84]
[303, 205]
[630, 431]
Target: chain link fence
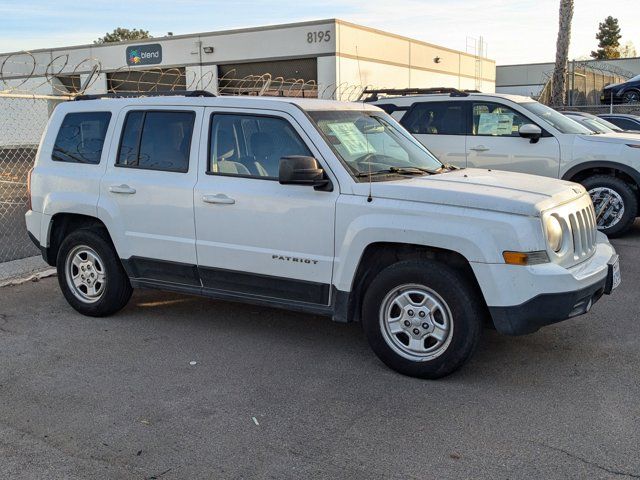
[628, 109]
[22, 121]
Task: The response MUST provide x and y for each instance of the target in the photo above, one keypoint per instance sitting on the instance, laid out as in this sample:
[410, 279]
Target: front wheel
[615, 204]
[90, 274]
[422, 318]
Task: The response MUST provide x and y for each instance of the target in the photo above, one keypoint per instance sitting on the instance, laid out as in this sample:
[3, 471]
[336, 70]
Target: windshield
[593, 125]
[370, 142]
[609, 125]
[556, 119]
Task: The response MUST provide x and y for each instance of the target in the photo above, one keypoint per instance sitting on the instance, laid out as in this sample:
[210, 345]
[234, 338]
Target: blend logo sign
[144, 54]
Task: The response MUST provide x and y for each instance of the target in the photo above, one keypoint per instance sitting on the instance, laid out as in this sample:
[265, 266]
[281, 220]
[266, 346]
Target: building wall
[392, 61]
[528, 79]
[347, 55]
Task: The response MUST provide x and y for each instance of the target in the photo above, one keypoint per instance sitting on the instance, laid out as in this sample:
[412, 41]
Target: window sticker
[350, 137]
[495, 124]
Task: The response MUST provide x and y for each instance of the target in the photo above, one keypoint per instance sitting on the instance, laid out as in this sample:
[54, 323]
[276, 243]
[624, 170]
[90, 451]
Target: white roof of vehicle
[440, 96]
[230, 101]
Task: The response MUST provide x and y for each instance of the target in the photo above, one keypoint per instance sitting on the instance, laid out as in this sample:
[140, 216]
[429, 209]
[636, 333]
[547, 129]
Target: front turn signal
[525, 258]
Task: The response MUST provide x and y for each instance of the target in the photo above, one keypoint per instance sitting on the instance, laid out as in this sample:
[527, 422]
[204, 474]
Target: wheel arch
[379, 255]
[584, 170]
[62, 224]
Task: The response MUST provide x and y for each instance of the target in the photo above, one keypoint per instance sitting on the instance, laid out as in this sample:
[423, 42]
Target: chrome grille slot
[583, 229]
[575, 231]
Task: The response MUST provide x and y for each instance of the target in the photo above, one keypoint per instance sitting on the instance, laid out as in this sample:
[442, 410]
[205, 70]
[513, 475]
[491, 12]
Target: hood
[611, 85]
[614, 138]
[495, 190]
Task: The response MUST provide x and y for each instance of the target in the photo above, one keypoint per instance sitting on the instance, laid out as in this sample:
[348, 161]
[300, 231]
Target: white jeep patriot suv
[318, 206]
[510, 132]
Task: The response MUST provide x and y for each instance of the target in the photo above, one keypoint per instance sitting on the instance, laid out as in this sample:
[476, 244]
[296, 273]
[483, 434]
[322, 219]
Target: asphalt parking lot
[282, 395]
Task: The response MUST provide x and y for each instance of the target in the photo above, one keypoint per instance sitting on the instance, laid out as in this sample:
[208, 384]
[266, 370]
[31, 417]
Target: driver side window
[251, 145]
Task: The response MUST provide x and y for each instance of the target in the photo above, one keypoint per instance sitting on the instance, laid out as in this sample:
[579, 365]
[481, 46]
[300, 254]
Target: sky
[514, 31]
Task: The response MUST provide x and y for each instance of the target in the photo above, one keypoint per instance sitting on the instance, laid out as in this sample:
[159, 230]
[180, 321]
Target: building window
[140, 81]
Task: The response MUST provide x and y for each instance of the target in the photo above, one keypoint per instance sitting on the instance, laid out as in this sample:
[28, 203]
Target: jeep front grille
[583, 229]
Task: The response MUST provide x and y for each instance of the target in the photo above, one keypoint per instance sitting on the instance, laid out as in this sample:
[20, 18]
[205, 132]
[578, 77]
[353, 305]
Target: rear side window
[81, 137]
[156, 140]
[623, 123]
[436, 118]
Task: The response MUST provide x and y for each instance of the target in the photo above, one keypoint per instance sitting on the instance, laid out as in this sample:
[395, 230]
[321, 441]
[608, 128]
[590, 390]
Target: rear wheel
[90, 274]
[615, 203]
[422, 318]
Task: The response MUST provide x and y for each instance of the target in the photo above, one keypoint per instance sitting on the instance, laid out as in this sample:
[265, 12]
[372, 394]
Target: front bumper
[545, 309]
[523, 299]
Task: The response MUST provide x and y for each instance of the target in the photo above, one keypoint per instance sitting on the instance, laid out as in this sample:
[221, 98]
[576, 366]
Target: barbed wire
[604, 68]
[23, 73]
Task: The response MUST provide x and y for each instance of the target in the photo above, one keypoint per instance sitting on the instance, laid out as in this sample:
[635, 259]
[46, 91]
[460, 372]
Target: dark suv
[627, 92]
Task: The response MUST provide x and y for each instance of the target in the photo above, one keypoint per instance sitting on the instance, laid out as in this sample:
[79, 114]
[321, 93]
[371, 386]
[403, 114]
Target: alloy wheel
[416, 322]
[85, 274]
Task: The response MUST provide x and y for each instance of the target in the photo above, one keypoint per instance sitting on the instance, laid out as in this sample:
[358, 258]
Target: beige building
[326, 58]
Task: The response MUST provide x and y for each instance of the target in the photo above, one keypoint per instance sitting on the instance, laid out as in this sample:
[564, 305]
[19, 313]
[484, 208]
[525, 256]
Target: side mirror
[530, 131]
[301, 170]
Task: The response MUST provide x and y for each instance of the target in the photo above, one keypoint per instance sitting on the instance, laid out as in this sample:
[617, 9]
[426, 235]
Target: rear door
[146, 195]
[495, 142]
[441, 127]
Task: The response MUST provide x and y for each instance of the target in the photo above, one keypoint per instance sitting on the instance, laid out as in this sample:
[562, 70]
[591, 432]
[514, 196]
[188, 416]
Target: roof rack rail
[371, 95]
[176, 93]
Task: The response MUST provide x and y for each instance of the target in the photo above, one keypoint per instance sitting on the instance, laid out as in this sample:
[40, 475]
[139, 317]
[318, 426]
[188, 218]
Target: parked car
[625, 92]
[622, 120]
[510, 132]
[319, 206]
[596, 124]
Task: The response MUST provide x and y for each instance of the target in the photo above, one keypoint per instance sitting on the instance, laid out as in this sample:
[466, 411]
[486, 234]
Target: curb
[35, 277]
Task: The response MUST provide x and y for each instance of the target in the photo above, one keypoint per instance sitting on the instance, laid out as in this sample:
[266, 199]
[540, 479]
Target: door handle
[126, 189]
[219, 198]
[479, 148]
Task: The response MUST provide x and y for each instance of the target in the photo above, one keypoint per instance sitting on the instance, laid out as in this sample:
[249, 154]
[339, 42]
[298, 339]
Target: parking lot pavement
[283, 395]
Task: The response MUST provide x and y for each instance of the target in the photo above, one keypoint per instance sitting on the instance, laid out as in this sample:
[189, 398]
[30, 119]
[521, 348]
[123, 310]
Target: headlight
[554, 233]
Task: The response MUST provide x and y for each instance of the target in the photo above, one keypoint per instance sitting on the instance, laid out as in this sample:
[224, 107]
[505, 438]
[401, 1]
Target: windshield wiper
[399, 171]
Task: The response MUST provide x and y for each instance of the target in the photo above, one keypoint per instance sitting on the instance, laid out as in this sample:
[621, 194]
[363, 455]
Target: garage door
[297, 77]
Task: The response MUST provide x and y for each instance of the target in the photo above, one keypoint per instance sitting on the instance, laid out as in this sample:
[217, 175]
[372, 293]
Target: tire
[106, 288]
[623, 210]
[456, 317]
[631, 96]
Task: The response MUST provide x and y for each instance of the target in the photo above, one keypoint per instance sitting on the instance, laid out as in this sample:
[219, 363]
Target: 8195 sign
[318, 37]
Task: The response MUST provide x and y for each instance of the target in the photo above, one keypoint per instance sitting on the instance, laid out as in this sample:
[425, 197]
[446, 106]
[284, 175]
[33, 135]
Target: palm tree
[562, 53]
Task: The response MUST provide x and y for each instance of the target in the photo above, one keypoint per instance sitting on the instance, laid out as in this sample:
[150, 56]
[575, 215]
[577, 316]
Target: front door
[494, 142]
[256, 237]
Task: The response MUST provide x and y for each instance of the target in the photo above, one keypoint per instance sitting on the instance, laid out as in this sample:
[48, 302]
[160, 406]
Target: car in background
[626, 92]
[596, 124]
[626, 121]
[518, 134]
